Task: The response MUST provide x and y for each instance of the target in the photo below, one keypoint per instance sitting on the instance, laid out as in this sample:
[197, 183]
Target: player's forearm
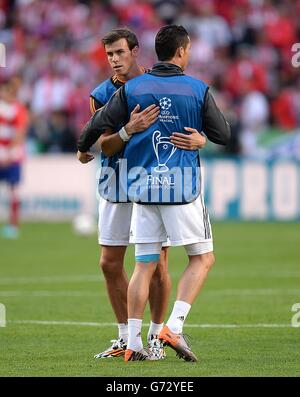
[88, 137]
[93, 130]
[111, 144]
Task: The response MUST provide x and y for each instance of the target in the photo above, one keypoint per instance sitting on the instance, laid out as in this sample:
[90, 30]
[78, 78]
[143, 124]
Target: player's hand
[192, 141]
[140, 121]
[85, 157]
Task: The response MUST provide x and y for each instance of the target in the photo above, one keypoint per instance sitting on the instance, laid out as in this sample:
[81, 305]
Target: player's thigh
[114, 223]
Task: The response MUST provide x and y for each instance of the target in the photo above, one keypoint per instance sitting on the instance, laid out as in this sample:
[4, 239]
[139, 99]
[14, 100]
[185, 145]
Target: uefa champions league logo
[163, 149]
[166, 115]
[162, 146]
[165, 103]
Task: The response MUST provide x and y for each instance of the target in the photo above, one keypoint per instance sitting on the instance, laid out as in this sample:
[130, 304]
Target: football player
[13, 128]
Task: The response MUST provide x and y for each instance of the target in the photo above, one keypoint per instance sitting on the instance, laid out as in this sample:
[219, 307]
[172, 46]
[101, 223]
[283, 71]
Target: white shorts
[114, 223]
[181, 224]
[114, 226]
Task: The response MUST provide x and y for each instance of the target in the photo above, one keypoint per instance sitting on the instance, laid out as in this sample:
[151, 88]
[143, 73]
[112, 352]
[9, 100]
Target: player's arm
[21, 127]
[86, 157]
[111, 115]
[110, 142]
[115, 113]
[139, 121]
[215, 126]
[193, 141]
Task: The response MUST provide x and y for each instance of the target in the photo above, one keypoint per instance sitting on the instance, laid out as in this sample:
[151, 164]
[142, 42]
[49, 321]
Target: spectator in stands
[242, 47]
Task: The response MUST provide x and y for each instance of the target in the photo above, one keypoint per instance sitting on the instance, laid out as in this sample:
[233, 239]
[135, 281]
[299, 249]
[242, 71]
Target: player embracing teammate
[177, 210]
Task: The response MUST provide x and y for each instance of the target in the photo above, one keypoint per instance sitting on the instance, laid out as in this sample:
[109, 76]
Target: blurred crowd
[241, 48]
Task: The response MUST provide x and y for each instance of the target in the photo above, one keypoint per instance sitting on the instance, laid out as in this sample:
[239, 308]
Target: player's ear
[135, 50]
[179, 52]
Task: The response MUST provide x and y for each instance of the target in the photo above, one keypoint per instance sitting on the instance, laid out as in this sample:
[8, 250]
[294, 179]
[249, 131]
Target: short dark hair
[117, 34]
[168, 39]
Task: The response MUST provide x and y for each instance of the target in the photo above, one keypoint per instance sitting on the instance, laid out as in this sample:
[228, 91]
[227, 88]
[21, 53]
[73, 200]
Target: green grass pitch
[49, 277]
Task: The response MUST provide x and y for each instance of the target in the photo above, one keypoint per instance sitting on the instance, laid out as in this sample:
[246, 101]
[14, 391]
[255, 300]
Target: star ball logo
[165, 103]
[165, 115]
[2, 55]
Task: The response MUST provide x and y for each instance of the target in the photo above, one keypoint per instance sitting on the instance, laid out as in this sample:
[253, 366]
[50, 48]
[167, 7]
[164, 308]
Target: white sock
[178, 316]
[123, 331]
[154, 329]
[135, 334]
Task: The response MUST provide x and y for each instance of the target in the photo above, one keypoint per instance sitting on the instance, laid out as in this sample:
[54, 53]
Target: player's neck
[177, 62]
[135, 71]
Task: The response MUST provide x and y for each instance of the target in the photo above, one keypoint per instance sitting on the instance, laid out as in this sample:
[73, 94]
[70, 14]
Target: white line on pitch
[253, 291]
[48, 294]
[98, 278]
[259, 274]
[91, 324]
[74, 293]
[51, 279]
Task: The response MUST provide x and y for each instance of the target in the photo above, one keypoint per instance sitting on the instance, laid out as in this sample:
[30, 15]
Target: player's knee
[160, 275]
[111, 268]
[161, 271]
[157, 277]
[208, 260]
